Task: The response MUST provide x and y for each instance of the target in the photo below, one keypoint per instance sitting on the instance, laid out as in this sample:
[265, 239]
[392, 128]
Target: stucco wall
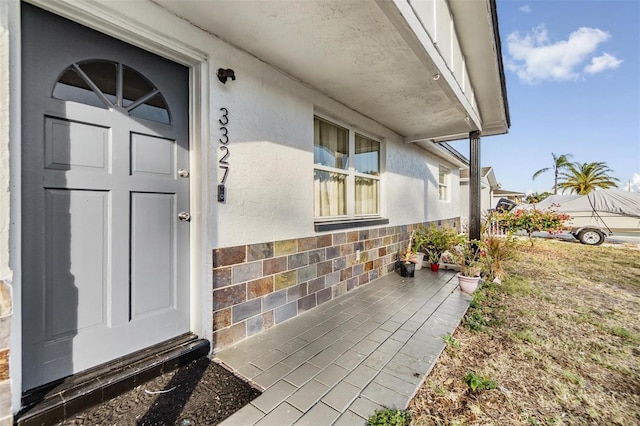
[270, 184]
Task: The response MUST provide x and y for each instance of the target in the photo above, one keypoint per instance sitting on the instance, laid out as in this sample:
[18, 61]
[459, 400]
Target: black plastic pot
[407, 269]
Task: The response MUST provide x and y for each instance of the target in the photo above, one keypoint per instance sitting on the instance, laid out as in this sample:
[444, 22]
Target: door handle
[184, 216]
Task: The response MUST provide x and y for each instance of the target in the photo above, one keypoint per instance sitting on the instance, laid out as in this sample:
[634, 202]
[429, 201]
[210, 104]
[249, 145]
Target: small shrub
[478, 298]
[478, 383]
[390, 417]
[475, 321]
[497, 251]
[435, 241]
[531, 220]
[450, 340]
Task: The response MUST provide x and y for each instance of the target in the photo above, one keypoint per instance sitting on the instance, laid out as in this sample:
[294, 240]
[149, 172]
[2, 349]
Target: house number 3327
[223, 162]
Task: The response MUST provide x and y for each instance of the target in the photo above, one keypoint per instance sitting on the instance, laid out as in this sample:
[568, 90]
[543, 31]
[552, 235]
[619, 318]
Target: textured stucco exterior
[270, 183]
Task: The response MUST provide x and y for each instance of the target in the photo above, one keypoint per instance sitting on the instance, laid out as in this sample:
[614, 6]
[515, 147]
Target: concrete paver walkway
[335, 365]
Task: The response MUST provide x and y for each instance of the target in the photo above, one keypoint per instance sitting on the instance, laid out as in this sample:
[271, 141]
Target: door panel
[105, 259]
[64, 150]
[82, 260]
[151, 154]
[153, 258]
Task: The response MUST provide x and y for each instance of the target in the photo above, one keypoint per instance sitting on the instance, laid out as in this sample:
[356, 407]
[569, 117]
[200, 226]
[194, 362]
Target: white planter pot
[420, 259]
[468, 284]
[449, 266]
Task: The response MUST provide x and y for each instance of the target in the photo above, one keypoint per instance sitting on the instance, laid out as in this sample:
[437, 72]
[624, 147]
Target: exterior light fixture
[225, 74]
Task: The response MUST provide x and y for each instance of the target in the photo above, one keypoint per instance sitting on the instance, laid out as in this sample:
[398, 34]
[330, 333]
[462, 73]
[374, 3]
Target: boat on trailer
[597, 215]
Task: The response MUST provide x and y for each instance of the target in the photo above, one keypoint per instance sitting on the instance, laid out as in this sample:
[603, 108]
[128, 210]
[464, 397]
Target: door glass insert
[134, 86]
[108, 84]
[103, 74]
[71, 87]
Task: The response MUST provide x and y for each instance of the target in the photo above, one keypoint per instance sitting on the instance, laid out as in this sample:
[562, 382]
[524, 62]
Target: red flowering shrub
[532, 220]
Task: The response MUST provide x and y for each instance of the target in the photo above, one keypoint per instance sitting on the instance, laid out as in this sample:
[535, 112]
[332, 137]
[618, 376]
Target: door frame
[123, 26]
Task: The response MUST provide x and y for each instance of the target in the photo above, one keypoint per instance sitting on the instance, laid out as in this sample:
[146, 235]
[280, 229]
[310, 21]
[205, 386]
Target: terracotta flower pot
[468, 284]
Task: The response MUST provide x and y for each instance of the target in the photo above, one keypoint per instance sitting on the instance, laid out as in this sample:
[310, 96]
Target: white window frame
[446, 184]
[351, 173]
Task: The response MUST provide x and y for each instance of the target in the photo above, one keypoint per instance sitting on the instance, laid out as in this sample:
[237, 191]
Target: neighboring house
[490, 192]
[514, 196]
[220, 167]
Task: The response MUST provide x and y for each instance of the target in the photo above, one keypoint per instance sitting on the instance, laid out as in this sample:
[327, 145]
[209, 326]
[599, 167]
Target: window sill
[335, 225]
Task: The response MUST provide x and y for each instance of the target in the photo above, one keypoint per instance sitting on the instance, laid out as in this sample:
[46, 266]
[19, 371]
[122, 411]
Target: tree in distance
[582, 178]
[560, 162]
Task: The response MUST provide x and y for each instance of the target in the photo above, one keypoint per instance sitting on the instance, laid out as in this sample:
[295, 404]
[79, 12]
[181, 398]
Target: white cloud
[534, 58]
[602, 63]
[635, 182]
[526, 8]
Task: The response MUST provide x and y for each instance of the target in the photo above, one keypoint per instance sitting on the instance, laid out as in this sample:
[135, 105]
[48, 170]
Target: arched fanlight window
[108, 84]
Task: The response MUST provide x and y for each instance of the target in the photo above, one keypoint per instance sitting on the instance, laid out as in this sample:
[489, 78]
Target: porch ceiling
[351, 51]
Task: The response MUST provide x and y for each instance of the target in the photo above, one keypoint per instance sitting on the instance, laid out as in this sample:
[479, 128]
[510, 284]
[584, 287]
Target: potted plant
[448, 261]
[407, 260]
[468, 257]
[435, 242]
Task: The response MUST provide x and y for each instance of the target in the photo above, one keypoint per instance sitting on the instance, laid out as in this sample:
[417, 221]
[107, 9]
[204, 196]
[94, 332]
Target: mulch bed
[200, 393]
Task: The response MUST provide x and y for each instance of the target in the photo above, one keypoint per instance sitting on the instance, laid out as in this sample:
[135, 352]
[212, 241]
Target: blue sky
[573, 82]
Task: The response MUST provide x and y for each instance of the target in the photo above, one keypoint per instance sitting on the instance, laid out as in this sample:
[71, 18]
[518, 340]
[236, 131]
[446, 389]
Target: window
[346, 172]
[443, 183]
[107, 84]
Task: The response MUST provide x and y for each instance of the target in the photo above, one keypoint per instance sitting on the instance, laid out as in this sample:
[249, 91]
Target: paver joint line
[360, 351]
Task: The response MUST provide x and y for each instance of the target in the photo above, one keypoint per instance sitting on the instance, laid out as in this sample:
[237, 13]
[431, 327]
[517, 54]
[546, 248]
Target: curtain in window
[366, 195]
[330, 194]
[331, 149]
[331, 145]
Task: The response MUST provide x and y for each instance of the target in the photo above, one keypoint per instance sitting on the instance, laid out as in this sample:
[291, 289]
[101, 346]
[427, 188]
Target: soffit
[348, 50]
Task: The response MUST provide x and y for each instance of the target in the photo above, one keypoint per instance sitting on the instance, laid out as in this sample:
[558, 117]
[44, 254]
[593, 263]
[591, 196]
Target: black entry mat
[200, 393]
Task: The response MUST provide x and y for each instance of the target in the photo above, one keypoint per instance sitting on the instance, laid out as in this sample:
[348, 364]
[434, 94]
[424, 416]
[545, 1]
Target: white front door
[105, 175]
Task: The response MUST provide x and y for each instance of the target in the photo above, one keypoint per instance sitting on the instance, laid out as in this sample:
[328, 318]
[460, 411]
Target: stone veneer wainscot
[260, 285]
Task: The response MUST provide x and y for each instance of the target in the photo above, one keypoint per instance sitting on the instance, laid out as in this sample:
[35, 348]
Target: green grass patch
[478, 383]
[526, 336]
[620, 332]
[572, 377]
[390, 417]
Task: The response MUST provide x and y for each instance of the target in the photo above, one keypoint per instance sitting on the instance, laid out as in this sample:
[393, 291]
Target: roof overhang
[372, 56]
[445, 152]
[508, 193]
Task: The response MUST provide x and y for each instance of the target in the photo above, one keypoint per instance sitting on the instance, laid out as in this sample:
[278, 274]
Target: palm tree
[560, 162]
[582, 178]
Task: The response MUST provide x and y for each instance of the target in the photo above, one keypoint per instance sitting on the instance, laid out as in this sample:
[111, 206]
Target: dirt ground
[559, 338]
[200, 393]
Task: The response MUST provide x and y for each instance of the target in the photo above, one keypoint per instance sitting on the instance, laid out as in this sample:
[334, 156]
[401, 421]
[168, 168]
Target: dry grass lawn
[560, 337]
